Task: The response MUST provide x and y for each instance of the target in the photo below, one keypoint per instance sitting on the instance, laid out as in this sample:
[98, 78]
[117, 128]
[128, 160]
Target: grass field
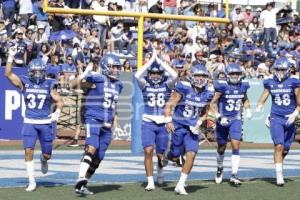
[255, 189]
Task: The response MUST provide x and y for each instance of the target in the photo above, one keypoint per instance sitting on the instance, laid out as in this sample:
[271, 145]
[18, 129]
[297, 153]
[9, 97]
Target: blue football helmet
[37, 71]
[155, 68]
[234, 73]
[201, 70]
[107, 63]
[281, 68]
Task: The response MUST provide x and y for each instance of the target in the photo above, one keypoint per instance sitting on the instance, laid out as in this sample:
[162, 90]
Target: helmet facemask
[281, 73]
[37, 75]
[199, 80]
[234, 77]
[114, 71]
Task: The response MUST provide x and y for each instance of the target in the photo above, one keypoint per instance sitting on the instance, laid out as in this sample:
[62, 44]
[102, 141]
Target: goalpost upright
[137, 97]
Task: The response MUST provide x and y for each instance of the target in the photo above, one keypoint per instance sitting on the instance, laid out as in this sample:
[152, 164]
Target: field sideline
[121, 176]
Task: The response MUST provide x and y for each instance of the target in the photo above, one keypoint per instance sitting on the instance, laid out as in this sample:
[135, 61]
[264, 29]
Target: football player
[283, 89]
[227, 106]
[156, 88]
[190, 100]
[102, 95]
[39, 94]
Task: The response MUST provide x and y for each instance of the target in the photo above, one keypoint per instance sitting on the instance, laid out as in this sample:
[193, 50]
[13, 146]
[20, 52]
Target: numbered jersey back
[37, 98]
[283, 95]
[191, 104]
[230, 103]
[102, 98]
[155, 97]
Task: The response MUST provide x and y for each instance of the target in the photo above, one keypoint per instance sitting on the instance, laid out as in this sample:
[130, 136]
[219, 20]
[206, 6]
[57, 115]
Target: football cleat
[83, 191]
[44, 165]
[31, 187]
[219, 175]
[279, 179]
[179, 189]
[150, 187]
[80, 182]
[234, 180]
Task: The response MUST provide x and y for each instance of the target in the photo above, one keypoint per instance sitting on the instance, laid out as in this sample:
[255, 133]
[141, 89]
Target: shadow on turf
[190, 188]
[104, 188]
[271, 181]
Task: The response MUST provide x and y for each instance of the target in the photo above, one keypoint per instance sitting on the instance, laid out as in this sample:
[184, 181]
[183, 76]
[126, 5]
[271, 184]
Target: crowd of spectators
[66, 43]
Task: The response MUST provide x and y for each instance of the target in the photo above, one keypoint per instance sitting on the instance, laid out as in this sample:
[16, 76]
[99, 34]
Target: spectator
[18, 42]
[240, 34]
[25, 11]
[170, 7]
[248, 15]
[83, 58]
[254, 30]
[9, 10]
[156, 8]
[199, 58]
[161, 26]
[141, 7]
[102, 22]
[126, 66]
[116, 37]
[263, 69]
[258, 12]
[41, 17]
[268, 23]
[236, 15]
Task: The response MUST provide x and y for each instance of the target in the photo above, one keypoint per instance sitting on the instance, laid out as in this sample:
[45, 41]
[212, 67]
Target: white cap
[248, 8]
[212, 56]
[295, 12]
[41, 26]
[258, 9]
[248, 40]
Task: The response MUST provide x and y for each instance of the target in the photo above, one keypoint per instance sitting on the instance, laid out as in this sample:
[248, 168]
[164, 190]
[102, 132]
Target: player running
[100, 106]
[39, 94]
[227, 106]
[156, 88]
[283, 89]
[190, 101]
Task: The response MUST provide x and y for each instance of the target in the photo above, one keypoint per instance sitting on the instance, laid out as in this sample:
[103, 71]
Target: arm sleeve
[95, 78]
[181, 88]
[266, 84]
[220, 87]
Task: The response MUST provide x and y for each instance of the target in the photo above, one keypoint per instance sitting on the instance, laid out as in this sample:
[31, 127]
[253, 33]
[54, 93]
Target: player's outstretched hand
[292, 117]
[170, 127]
[55, 116]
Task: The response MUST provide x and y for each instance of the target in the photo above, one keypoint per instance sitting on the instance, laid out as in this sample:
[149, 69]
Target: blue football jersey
[230, 103]
[102, 98]
[155, 97]
[191, 104]
[283, 95]
[37, 98]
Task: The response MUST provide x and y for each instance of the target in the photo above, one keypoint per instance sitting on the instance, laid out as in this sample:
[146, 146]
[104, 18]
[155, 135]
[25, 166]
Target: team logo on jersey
[227, 92]
[235, 92]
[188, 96]
[280, 86]
[35, 86]
[26, 85]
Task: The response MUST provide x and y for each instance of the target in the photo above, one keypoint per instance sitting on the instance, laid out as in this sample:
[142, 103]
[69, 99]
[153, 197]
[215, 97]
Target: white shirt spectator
[269, 18]
[197, 31]
[161, 27]
[98, 18]
[116, 33]
[25, 7]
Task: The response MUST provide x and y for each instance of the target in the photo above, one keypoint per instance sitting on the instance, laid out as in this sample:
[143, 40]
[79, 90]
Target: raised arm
[13, 78]
[139, 74]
